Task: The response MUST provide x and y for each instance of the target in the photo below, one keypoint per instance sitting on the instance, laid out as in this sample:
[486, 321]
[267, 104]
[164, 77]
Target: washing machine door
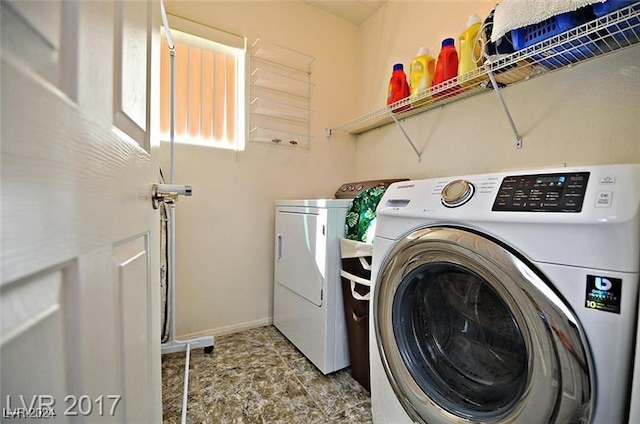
[469, 333]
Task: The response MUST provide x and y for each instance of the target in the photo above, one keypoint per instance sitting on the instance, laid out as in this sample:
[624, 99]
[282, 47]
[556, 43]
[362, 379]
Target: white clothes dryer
[506, 298]
[307, 292]
[307, 299]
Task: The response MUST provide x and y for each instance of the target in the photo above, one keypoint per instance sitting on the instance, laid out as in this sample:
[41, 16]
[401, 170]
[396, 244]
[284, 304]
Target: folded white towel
[512, 14]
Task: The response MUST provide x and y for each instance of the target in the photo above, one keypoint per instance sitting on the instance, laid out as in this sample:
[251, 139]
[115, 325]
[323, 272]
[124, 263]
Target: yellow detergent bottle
[421, 76]
[470, 50]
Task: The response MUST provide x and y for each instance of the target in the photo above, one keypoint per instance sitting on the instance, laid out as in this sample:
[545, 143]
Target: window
[209, 86]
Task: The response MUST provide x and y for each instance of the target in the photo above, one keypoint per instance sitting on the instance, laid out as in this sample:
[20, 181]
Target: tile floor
[257, 376]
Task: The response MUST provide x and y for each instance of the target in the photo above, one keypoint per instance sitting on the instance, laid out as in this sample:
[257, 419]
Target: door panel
[79, 245]
[32, 31]
[94, 88]
[33, 341]
[130, 90]
[130, 260]
[97, 331]
[300, 252]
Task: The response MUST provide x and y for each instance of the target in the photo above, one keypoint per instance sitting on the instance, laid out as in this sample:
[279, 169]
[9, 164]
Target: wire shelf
[266, 107]
[281, 83]
[614, 31]
[280, 95]
[281, 56]
[279, 137]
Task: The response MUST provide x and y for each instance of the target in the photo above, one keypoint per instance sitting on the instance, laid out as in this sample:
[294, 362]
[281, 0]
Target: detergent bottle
[470, 48]
[446, 66]
[398, 87]
[421, 75]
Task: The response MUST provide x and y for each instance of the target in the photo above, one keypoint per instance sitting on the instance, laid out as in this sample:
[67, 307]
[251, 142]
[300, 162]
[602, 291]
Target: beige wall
[587, 114]
[225, 231]
[584, 115]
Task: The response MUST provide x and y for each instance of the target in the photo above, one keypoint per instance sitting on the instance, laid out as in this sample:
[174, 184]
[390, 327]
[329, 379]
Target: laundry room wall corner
[225, 230]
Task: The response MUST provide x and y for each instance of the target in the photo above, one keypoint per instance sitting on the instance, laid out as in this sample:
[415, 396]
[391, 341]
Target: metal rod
[175, 345]
[171, 246]
[506, 110]
[406, 136]
[172, 178]
[172, 117]
[172, 58]
[185, 390]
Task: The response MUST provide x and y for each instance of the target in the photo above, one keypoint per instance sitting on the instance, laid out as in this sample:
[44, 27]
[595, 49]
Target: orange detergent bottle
[446, 66]
[470, 50]
[421, 76]
[398, 87]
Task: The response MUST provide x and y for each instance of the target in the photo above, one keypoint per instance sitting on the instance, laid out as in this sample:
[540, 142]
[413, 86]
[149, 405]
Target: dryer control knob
[457, 193]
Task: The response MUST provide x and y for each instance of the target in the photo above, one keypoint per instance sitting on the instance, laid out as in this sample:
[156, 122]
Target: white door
[79, 291]
[300, 252]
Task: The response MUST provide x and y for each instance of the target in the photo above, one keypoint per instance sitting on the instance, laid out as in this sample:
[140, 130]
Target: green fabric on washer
[362, 215]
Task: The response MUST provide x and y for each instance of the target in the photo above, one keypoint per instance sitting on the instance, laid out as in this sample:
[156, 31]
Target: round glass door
[461, 343]
[468, 332]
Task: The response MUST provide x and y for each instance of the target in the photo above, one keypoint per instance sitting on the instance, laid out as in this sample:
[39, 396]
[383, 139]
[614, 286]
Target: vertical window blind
[209, 86]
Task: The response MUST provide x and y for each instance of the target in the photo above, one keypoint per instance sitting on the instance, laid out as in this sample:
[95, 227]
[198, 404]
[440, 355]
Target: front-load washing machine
[506, 298]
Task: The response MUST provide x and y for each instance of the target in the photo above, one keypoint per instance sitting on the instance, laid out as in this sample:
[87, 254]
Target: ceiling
[354, 11]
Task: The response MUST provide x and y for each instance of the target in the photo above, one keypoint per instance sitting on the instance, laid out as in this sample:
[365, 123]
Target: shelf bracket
[413, 146]
[506, 109]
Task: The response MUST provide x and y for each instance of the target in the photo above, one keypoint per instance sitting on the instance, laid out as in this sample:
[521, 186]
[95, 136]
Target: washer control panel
[558, 192]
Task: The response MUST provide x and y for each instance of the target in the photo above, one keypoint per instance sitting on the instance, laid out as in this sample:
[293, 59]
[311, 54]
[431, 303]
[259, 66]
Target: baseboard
[221, 331]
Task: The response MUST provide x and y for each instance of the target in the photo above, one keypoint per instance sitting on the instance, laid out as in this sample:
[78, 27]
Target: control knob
[457, 193]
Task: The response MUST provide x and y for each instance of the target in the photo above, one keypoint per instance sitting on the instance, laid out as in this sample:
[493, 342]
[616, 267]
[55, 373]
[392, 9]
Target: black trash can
[356, 287]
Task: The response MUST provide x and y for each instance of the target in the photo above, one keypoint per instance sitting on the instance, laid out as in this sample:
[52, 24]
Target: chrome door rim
[559, 379]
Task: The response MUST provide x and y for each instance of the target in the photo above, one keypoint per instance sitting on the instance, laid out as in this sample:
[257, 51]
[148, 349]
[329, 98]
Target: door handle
[279, 248]
[168, 193]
